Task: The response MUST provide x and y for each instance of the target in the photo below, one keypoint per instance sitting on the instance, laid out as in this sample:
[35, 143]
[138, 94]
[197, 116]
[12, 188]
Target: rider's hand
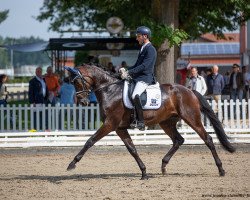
[125, 75]
[122, 70]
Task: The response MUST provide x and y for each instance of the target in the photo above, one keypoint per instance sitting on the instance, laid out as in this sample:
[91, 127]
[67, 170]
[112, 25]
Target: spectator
[111, 68]
[3, 90]
[182, 74]
[208, 71]
[196, 82]
[123, 65]
[236, 83]
[92, 60]
[52, 84]
[226, 90]
[92, 98]
[67, 93]
[215, 84]
[246, 78]
[38, 93]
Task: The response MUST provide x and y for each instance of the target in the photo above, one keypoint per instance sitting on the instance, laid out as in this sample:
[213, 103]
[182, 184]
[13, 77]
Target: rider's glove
[125, 75]
[121, 70]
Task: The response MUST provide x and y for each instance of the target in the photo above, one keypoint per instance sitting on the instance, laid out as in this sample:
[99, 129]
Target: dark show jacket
[36, 92]
[143, 70]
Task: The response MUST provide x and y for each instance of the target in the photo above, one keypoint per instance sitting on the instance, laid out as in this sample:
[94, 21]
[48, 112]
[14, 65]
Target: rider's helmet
[144, 31]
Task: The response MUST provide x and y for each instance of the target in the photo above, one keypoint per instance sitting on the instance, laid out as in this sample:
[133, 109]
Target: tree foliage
[3, 15]
[195, 16]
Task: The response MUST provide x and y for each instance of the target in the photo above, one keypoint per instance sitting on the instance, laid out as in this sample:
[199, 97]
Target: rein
[101, 88]
[85, 81]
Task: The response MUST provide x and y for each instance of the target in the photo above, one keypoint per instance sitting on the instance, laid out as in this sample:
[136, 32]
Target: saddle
[150, 98]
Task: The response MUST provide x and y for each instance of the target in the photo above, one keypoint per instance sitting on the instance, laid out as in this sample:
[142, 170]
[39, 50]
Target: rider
[142, 72]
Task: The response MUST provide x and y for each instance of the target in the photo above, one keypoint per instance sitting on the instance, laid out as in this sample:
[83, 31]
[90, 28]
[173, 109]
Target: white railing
[17, 96]
[72, 126]
[233, 115]
[78, 138]
[48, 118]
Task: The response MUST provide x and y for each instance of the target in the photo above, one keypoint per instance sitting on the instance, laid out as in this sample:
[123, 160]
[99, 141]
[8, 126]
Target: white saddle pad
[153, 97]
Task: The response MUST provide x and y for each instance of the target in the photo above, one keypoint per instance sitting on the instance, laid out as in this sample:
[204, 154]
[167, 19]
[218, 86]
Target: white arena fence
[72, 126]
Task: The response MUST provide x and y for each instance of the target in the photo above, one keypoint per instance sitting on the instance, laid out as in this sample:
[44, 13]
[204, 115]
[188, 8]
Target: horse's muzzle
[84, 102]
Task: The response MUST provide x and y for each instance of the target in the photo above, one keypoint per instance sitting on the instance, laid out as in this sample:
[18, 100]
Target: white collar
[143, 46]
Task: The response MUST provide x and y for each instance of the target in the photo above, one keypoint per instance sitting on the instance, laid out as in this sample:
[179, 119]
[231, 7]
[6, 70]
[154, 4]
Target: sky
[21, 20]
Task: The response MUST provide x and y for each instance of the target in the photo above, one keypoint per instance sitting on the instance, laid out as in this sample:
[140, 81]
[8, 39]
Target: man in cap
[142, 72]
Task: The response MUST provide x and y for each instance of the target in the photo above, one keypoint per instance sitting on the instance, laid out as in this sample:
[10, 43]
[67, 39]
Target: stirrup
[133, 125]
[141, 126]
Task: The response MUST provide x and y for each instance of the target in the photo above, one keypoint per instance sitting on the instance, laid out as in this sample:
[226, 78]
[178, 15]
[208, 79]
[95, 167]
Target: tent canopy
[67, 44]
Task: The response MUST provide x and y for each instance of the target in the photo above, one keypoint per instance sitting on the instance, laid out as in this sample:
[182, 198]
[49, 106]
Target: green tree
[3, 15]
[195, 17]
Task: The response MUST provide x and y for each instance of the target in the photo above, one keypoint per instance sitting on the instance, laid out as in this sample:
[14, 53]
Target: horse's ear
[71, 70]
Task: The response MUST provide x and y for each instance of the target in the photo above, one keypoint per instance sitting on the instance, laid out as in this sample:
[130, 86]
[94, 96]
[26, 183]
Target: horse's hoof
[71, 166]
[163, 171]
[222, 173]
[144, 177]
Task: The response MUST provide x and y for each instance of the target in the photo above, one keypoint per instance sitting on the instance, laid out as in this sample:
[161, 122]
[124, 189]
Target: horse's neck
[102, 79]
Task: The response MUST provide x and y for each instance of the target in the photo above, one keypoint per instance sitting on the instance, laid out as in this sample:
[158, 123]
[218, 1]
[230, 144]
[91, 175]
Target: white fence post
[73, 118]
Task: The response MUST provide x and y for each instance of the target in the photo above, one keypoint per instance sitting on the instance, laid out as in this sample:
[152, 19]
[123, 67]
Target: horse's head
[82, 82]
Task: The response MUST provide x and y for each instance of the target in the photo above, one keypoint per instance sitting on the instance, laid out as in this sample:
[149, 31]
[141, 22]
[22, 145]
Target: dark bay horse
[178, 102]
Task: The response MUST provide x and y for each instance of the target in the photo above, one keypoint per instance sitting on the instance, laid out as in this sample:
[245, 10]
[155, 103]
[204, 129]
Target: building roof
[229, 37]
[210, 48]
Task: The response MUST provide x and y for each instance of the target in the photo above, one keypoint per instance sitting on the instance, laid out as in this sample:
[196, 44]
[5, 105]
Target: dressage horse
[178, 102]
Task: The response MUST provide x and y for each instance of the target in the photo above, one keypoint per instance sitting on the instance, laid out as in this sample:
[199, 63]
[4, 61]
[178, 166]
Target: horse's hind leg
[125, 137]
[194, 121]
[169, 128]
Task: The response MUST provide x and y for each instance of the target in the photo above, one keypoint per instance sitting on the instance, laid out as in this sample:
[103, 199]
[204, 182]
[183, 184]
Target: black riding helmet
[144, 31]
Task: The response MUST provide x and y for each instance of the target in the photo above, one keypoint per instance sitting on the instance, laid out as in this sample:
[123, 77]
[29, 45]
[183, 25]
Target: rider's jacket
[143, 70]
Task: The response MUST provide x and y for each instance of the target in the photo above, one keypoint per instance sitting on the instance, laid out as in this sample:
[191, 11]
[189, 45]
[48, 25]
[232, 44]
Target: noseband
[84, 82]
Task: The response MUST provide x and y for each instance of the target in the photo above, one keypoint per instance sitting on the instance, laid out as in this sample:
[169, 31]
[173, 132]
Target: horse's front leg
[104, 130]
[125, 137]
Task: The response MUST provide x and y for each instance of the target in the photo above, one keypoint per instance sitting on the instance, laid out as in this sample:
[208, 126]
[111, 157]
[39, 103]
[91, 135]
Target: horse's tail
[207, 110]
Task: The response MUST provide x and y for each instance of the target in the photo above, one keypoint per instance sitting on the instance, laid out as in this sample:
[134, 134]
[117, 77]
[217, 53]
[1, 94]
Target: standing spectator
[52, 84]
[236, 83]
[196, 82]
[182, 74]
[38, 93]
[246, 78]
[67, 93]
[226, 90]
[3, 90]
[215, 84]
[92, 98]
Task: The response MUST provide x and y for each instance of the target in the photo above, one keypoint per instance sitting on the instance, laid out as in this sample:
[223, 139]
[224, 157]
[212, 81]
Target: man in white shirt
[196, 82]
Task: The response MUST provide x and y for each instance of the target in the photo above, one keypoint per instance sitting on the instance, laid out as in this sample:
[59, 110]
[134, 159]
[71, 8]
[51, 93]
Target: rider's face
[140, 38]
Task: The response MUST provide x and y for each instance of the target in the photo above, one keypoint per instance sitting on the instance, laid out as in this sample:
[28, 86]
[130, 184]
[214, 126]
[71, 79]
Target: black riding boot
[139, 113]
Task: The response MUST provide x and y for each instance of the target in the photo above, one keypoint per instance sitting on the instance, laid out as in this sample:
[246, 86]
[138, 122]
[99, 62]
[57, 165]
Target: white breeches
[140, 87]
